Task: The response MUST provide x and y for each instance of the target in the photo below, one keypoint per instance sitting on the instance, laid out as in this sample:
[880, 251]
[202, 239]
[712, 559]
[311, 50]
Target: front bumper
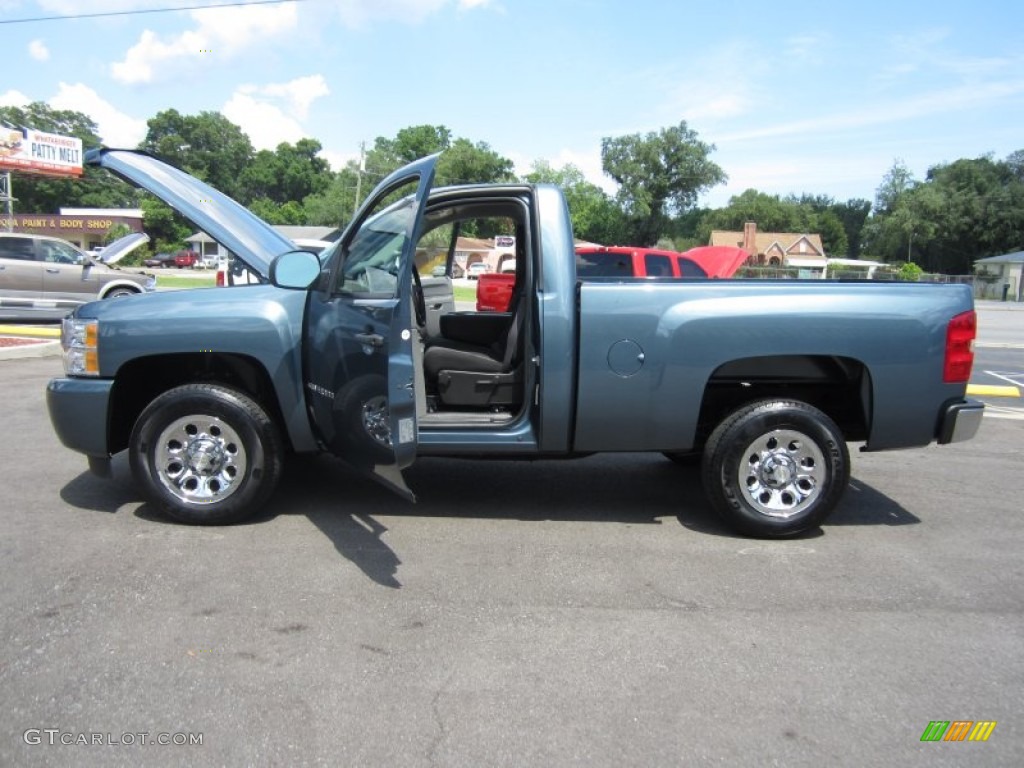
[79, 411]
[960, 421]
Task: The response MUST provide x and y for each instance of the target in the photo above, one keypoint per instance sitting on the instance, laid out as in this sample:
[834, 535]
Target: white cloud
[115, 127]
[220, 33]
[14, 98]
[270, 114]
[38, 50]
[297, 94]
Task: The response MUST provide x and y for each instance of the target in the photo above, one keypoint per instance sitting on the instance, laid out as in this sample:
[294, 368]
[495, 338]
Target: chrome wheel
[377, 420]
[783, 472]
[200, 459]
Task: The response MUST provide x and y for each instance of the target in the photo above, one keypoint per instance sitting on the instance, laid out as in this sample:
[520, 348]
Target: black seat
[474, 374]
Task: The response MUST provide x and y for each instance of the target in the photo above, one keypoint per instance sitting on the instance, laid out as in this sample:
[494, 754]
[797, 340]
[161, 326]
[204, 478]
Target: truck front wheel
[207, 454]
[775, 468]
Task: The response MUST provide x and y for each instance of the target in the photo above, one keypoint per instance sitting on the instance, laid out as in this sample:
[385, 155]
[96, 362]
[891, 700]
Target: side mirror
[294, 269]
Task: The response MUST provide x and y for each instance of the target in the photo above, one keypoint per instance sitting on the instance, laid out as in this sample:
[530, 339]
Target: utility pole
[359, 176]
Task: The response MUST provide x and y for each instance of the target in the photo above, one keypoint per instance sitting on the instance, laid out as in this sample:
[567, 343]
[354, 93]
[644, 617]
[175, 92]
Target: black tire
[208, 455]
[775, 468]
[119, 292]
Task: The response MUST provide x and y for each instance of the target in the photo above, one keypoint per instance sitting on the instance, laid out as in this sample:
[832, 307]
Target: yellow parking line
[992, 390]
[29, 330]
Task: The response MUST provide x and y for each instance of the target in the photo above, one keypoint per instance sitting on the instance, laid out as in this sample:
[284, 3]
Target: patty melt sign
[31, 151]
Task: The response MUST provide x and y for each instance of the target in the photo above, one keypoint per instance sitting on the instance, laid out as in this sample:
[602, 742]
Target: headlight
[78, 340]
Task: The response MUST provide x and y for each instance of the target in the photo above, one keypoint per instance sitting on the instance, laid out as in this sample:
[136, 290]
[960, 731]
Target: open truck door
[360, 375]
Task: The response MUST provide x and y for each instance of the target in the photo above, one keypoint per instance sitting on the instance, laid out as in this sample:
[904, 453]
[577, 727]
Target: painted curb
[992, 390]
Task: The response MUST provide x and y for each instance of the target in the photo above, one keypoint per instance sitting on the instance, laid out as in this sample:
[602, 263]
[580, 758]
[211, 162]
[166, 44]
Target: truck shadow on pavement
[612, 488]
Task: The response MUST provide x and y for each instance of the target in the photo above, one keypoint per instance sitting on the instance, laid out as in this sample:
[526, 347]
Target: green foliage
[595, 216]
[465, 162]
[116, 232]
[335, 205]
[659, 174]
[909, 272]
[806, 214]
[164, 227]
[289, 174]
[963, 211]
[207, 145]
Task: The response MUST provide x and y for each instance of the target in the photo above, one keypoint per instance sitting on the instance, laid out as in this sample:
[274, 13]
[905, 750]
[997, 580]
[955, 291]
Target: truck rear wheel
[775, 468]
[207, 454]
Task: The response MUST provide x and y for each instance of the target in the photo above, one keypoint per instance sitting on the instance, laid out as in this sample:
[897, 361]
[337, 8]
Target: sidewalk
[1008, 306]
[19, 341]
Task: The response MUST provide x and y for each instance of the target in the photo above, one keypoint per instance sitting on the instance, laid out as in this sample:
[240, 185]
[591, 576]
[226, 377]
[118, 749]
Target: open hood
[121, 247]
[718, 260]
[243, 233]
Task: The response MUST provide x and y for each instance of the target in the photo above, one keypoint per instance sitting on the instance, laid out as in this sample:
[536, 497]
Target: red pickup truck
[494, 290]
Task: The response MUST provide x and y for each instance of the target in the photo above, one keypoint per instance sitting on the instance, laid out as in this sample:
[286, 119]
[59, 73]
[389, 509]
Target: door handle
[372, 339]
[52, 271]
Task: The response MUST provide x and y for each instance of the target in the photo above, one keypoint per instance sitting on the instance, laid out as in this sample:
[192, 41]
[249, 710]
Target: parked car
[161, 260]
[475, 270]
[44, 278]
[210, 392]
[186, 259]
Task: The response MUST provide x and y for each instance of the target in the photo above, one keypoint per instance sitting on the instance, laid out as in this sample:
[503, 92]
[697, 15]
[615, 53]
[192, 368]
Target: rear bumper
[79, 410]
[960, 421]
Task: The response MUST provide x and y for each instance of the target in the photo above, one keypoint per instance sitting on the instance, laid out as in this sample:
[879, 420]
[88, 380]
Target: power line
[140, 11]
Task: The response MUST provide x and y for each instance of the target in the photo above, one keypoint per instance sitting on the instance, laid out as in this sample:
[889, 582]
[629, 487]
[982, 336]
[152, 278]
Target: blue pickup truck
[353, 352]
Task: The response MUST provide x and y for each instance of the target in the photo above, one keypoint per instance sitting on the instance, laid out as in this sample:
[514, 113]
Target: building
[776, 249]
[85, 227]
[210, 249]
[1002, 277]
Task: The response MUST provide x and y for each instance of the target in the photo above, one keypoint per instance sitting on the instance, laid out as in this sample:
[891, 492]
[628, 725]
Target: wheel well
[119, 287]
[141, 380]
[838, 386]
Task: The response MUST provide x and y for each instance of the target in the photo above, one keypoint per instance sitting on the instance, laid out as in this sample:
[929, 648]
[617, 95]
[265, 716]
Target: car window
[17, 248]
[603, 265]
[374, 255]
[657, 265]
[690, 268]
[59, 253]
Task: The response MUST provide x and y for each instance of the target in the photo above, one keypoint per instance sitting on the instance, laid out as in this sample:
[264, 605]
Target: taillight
[960, 335]
[220, 279]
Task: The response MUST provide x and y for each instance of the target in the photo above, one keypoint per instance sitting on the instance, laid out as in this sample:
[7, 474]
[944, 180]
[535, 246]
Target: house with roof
[1002, 276]
[802, 250]
[302, 236]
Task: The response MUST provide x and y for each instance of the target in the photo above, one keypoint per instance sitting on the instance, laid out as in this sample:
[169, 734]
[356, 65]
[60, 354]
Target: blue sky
[796, 96]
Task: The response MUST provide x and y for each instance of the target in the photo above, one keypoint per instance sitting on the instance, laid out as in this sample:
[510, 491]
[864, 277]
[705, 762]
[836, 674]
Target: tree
[467, 163]
[334, 206]
[288, 174]
[41, 194]
[595, 216]
[853, 214]
[166, 229]
[659, 174]
[207, 145]
[963, 211]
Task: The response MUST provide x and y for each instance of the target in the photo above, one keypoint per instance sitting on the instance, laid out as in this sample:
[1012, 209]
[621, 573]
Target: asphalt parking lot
[591, 613]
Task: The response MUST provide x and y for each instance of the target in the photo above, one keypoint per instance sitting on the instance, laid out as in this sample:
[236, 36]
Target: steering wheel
[419, 304]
